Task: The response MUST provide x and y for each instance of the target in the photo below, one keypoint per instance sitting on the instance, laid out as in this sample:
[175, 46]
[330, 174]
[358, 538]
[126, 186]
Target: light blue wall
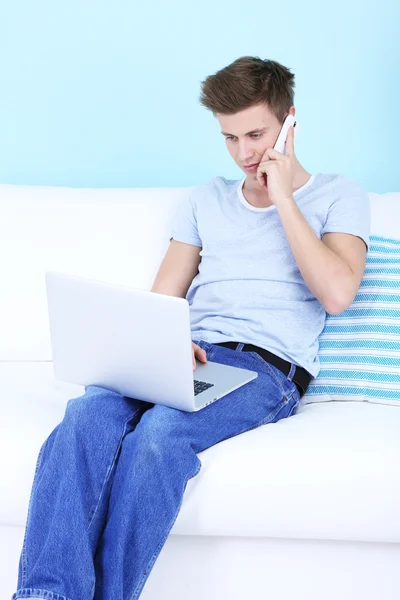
[105, 94]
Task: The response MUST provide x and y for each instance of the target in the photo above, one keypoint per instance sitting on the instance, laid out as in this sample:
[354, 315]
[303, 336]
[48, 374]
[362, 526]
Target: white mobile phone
[280, 144]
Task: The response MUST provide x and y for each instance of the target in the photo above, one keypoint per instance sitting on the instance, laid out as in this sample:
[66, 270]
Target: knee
[162, 436]
[158, 427]
[94, 404]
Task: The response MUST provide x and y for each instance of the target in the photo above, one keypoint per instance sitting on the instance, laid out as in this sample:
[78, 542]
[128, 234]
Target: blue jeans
[110, 480]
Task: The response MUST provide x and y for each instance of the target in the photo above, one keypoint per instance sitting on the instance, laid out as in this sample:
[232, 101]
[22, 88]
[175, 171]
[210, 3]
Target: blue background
[105, 94]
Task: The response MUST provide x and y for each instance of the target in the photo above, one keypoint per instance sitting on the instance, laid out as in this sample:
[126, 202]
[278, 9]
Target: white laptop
[134, 342]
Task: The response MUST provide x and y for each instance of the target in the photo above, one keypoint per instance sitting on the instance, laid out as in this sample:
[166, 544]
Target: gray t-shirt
[249, 287]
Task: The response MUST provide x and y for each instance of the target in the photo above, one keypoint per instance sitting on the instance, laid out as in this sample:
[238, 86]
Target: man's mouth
[251, 167]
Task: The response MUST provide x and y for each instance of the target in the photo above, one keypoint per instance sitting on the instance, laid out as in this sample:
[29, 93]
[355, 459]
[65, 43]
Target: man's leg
[160, 456]
[70, 494]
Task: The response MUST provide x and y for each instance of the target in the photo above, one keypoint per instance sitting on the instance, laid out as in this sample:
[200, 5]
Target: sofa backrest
[114, 235]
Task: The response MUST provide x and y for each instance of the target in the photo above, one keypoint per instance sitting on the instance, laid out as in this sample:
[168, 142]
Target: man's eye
[256, 135]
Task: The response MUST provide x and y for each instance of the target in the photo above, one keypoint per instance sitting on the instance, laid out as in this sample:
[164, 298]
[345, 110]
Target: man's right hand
[198, 353]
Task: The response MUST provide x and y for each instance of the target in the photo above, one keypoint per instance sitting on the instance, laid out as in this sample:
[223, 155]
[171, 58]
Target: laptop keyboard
[201, 386]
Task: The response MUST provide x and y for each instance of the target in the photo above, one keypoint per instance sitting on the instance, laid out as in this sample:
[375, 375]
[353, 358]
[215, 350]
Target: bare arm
[176, 273]
[177, 270]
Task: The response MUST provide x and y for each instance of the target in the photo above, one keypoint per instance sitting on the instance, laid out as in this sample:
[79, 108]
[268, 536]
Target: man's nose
[245, 153]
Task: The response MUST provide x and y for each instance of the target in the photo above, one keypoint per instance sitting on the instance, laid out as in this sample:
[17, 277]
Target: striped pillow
[359, 350]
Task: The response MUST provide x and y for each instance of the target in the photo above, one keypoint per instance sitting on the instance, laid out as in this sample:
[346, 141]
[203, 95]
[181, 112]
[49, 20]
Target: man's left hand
[278, 169]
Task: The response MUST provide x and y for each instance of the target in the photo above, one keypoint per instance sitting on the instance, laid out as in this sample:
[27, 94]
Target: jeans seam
[296, 389]
[39, 593]
[271, 415]
[38, 464]
[109, 471]
[265, 420]
[274, 412]
[210, 351]
[153, 559]
[24, 557]
[271, 371]
[294, 407]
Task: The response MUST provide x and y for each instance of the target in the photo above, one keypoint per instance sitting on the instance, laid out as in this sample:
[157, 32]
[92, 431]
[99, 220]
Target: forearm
[324, 272]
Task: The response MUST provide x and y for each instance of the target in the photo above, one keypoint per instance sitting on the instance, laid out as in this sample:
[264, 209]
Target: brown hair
[249, 81]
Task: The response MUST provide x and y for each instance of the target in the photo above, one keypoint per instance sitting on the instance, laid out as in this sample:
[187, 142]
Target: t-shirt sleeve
[184, 224]
[350, 212]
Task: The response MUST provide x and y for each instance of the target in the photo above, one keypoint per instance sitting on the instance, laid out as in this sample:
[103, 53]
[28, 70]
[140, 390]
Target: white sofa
[306, 508]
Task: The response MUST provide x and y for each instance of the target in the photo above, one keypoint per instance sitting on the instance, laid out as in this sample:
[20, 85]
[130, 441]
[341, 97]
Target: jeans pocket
[277, 374]
[274, 371]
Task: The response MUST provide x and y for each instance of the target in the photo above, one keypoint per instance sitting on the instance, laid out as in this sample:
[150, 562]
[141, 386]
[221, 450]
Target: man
[279, 248]
[260, 261]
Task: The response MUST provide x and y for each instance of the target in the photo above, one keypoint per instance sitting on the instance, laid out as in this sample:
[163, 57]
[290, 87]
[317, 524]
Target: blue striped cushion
[359, 350]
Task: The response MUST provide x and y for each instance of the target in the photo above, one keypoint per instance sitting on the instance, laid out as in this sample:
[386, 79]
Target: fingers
[198, 353]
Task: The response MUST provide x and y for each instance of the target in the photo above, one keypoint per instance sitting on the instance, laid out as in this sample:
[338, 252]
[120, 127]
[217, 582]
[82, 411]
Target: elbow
[334, 309]
[336, 306]
[342, 296]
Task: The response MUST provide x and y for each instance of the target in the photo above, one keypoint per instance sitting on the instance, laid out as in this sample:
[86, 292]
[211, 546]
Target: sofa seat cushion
[329, 472]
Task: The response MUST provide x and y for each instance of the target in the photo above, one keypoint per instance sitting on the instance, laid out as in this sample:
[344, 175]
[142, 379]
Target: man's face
[245, 147]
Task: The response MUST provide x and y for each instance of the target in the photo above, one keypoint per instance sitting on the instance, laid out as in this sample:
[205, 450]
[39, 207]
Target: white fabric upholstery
[118, 235]
[256, 568]
[328, 473]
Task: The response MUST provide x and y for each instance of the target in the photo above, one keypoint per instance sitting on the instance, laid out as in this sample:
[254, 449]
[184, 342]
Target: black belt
[301, 377]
